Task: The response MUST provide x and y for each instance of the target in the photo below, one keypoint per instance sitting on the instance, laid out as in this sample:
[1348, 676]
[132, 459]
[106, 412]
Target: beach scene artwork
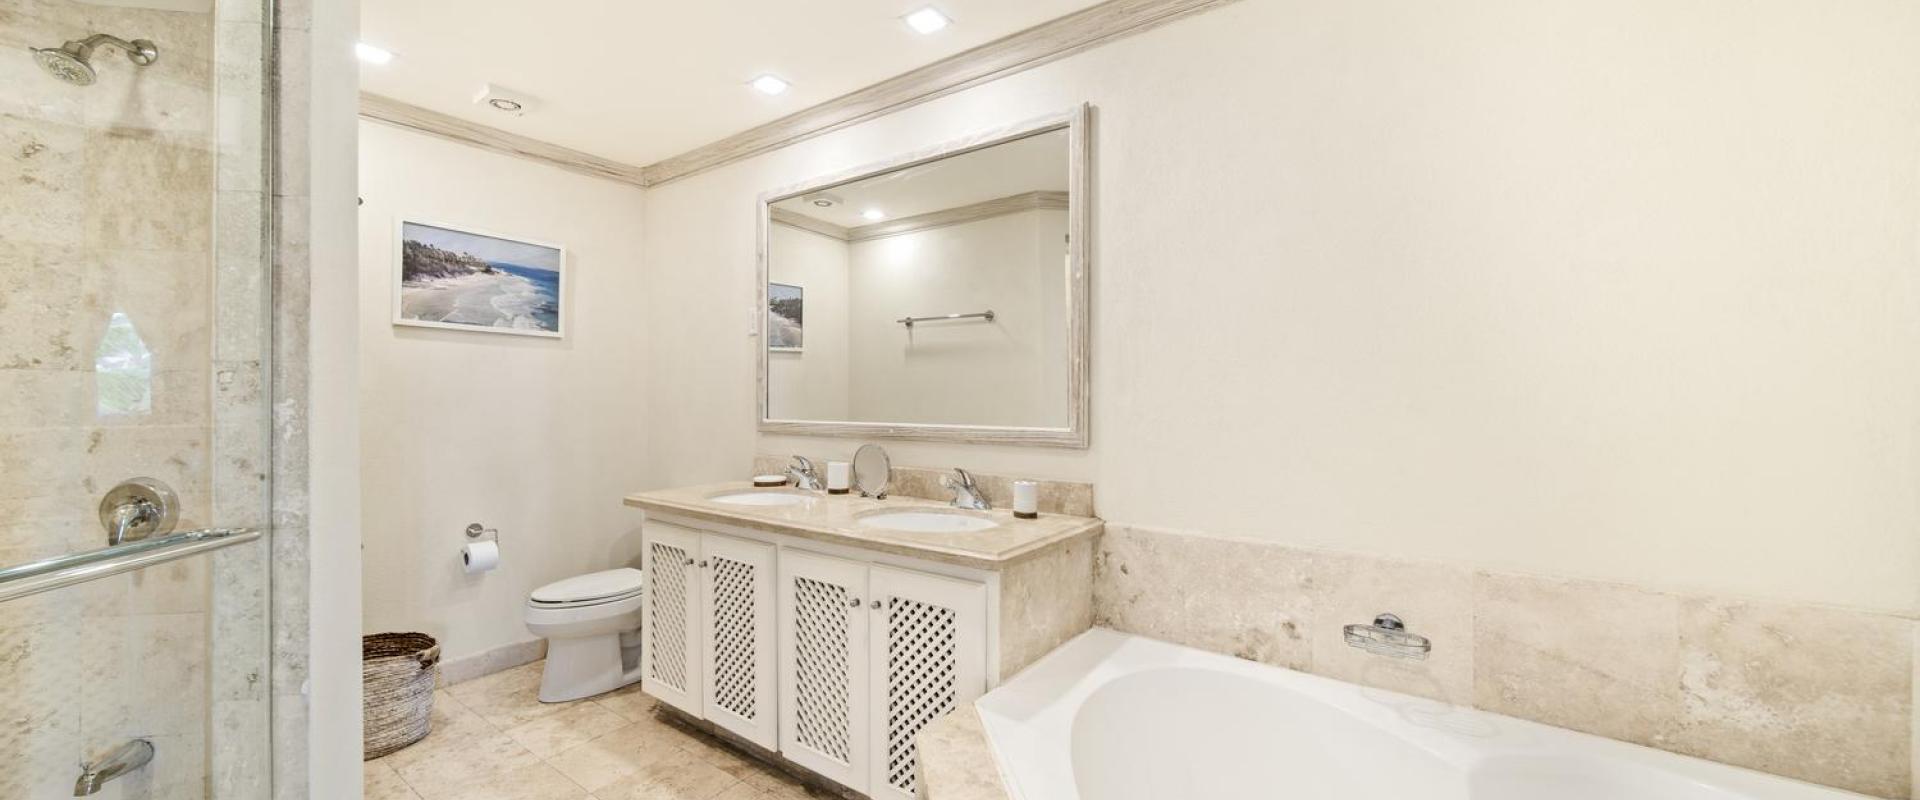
[785, 316]
[450, 278]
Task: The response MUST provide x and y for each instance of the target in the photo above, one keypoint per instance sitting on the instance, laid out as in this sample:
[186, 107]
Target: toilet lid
[591, 586]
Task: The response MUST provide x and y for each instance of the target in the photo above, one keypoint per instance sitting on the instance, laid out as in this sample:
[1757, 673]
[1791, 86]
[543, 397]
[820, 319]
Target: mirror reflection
[936, 294]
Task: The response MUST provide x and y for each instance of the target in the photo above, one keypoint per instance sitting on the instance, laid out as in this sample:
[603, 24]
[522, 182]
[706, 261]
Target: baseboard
[505, 657]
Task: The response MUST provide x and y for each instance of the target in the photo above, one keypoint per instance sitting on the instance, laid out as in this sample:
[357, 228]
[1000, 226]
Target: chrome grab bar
[57, 572]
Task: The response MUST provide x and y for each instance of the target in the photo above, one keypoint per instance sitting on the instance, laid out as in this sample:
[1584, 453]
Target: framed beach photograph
[447, 277]
[786, 316]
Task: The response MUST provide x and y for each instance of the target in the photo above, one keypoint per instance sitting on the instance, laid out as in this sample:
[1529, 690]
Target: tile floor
[493, 739]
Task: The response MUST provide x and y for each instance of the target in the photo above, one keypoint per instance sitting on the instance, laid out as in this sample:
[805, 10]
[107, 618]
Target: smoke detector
[504, 100]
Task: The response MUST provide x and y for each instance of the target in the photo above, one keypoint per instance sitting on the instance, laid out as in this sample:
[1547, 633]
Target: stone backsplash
[1815, 693]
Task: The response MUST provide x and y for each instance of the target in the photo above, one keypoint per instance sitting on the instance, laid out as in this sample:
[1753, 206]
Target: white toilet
[592, 626]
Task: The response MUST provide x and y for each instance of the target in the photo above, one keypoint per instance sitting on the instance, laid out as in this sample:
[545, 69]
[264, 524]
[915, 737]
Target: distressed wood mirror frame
[1076, 122]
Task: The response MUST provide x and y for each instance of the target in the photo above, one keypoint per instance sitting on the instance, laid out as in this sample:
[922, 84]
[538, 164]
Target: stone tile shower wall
[138, 199]
[1814, 693]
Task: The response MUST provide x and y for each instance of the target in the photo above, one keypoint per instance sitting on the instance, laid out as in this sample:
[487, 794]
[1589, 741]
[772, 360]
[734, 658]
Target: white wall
[317, 211]
[1011, 371]
[811, 383]
[1620, 290]
[537, 437]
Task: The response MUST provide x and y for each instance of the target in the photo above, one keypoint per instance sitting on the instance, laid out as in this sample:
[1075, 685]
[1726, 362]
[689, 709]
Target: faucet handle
[966, 493]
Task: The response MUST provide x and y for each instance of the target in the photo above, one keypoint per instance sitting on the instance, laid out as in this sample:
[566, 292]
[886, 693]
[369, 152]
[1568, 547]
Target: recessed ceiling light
[770, 85]
[927, 20]
[506, 105]
[873, 215]
[372, 54]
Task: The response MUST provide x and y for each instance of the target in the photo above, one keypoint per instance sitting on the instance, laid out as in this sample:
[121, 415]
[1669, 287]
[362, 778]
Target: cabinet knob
[703, 564]
[876, 605]
[689, 562]
[856, 602]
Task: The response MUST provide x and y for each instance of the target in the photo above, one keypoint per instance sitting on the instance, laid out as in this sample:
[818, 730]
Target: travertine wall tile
[1044, 601]
[1819, 694]
[1248, 599]
[41, 740]
[110, 209]
[1434, 600]
[1595, 657]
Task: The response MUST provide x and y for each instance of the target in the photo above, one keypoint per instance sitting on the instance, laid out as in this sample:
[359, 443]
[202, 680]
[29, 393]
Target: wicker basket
[398, 671]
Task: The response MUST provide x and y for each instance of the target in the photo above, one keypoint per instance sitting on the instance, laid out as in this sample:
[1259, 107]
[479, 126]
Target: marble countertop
[954, 760]
[834, 518]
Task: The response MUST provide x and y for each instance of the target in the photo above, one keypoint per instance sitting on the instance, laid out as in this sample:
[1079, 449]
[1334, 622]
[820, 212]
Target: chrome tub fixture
[73, 62]
[1388, 636]
[126, 758]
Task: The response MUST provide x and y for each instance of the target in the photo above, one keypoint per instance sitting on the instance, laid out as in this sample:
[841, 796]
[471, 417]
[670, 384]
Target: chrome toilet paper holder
[475, 532]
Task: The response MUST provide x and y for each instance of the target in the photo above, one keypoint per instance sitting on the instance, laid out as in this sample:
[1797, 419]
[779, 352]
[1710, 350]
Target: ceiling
[641, 80]
[1034, 164]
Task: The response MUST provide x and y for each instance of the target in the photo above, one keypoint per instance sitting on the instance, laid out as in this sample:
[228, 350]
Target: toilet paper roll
[480, 557]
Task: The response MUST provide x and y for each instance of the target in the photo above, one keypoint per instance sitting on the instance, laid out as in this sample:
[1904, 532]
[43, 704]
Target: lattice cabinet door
[737, 578]
[670, 618]
[823, 665]
[928, 658]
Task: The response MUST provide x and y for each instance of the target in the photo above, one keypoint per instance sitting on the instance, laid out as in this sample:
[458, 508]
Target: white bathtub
[1110, 716]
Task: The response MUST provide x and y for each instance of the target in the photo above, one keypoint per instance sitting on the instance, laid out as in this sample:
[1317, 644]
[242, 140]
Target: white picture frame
[511, 292]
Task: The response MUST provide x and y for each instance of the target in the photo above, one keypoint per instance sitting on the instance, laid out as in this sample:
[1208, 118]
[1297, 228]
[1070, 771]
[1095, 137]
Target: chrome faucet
[124, 759]
[1388, 636]
[966, 494]
[803, 474]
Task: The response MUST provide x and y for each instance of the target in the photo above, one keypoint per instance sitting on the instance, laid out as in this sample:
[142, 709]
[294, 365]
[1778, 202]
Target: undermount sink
[926, 521]
[760, 498]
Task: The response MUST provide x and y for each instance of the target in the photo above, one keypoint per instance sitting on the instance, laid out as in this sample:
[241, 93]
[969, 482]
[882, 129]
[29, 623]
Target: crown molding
[1008, 55]
[960, 215]
[446, 126]
[997, 207]
[795, 219]
[997, 59]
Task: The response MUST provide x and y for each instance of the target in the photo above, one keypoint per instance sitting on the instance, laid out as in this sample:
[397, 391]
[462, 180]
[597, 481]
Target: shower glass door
[133, 342]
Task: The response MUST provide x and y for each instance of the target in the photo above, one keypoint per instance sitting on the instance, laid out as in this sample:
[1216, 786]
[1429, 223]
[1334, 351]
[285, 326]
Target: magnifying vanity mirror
[940, 295]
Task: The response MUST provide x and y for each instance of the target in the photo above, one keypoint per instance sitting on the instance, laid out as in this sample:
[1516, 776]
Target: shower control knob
[138, 509]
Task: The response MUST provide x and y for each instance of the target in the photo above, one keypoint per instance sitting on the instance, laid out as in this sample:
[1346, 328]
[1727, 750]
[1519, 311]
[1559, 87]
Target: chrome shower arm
[139, 51]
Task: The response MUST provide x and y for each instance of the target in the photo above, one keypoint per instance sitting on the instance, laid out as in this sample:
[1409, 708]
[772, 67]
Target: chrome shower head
[67, 66]
[71, 62]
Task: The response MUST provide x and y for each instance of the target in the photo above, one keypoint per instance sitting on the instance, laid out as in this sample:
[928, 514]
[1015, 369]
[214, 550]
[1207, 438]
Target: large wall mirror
[941, 295]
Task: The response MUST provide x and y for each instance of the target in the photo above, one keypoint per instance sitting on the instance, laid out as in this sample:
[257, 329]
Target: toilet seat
[591, 589]
[584, 603]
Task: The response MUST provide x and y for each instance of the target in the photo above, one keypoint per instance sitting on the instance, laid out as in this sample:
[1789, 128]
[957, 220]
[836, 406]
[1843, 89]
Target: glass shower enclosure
[135, 651]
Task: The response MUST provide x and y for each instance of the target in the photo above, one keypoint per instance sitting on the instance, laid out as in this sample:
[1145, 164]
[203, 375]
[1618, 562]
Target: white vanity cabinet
[927, 656]
[832, 656]
[869, 654]
[708, 628]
